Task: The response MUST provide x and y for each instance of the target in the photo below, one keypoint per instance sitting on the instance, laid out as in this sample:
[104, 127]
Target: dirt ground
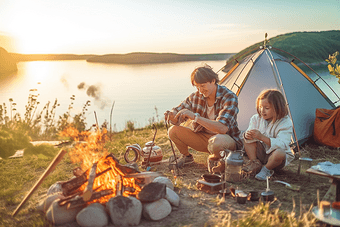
[198, 208]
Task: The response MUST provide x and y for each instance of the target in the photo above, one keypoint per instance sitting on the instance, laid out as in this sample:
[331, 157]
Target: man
[213, 110]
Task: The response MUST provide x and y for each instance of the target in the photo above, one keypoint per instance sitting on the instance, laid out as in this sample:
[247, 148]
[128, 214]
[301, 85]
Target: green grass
[17, 178]
[263, 215]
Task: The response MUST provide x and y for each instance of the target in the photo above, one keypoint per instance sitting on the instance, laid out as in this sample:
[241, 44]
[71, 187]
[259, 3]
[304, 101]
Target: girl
[269, 133]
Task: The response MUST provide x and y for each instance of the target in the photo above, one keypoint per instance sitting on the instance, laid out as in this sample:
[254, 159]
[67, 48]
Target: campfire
[102, 189]
[104, 177]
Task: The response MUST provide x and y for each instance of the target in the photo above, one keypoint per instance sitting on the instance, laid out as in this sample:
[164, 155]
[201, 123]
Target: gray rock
[93, 215]
[165, 181]
[156, 210]
[59, 215]
[46, 203]
[172, 197]
[124, 211]
[152, 192]
[55, 188]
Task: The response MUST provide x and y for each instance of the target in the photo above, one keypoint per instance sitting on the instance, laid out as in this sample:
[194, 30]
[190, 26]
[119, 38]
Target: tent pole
[290, 115]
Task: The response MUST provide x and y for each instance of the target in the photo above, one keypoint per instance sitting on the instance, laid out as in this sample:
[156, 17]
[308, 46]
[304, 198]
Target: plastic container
[233, 166]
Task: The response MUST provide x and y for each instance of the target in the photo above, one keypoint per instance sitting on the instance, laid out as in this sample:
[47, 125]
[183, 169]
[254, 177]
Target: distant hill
[130, 58]
[7, 63]
[150, 58]
[310, 47]
[49, 57]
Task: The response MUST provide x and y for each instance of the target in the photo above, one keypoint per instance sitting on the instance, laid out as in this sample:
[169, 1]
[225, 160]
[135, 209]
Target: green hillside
[310, 47]
[150, 58]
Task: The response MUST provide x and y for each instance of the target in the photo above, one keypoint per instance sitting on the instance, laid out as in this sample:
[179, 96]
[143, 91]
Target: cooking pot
[211, 178]
[242, 199]
[267, 196]
[254, 195]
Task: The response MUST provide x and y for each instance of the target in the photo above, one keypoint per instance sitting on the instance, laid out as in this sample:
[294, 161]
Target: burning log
[111, 177]
[69, 187]
[119, 185]
[77, 172]
[78, 201]
[89, 188]
[121, 168]
[64, 201]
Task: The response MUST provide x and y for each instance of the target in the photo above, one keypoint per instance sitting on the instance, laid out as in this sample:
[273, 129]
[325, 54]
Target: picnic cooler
[327, 127]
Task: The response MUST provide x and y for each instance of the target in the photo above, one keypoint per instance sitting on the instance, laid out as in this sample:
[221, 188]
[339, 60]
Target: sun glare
[38, 72]
[35, 34]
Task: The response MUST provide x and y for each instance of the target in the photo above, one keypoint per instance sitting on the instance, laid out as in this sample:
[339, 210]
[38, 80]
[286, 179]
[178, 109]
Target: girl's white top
[280, 133]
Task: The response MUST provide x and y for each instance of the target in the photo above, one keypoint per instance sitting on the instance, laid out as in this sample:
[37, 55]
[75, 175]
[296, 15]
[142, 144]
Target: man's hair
[276, 99]
[203, 75]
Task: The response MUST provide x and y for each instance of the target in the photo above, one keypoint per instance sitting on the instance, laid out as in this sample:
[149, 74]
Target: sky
[163, 26]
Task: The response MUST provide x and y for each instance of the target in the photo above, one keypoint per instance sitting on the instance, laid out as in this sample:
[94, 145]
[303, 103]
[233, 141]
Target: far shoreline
[130, 58]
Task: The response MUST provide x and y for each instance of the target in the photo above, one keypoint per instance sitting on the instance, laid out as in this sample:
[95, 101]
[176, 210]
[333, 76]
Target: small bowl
[211, 178]
[241, 199]
[267, 196]
[254, 195]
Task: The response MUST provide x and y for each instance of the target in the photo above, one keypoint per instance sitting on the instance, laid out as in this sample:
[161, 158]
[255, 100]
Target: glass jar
[233, 166]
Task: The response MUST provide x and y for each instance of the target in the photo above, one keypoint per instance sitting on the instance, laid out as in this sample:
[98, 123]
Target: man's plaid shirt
[226, 110]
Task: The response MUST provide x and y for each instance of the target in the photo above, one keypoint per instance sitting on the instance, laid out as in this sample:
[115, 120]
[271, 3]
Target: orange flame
[92, 150]
[89, 147]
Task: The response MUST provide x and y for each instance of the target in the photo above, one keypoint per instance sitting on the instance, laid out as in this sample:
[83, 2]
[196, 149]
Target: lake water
[137, 90]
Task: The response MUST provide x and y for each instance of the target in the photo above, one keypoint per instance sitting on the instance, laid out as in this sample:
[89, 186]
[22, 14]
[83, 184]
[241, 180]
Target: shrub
[12, 140]
[130, 125]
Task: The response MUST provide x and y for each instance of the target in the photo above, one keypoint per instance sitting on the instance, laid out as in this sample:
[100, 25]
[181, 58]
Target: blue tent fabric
[266, 69]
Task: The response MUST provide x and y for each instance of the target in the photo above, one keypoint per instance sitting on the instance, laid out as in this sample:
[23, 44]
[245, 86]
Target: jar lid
[234, 158]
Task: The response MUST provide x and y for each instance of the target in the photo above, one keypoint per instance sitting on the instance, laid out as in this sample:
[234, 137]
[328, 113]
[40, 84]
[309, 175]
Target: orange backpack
[327, 127]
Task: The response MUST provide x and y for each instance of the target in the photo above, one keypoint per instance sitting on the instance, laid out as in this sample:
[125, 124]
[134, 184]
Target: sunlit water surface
[137, 90]
[140, 92]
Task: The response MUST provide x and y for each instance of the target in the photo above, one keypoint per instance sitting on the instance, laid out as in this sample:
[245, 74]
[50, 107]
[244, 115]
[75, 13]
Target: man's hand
[184, 114]
[170, 116]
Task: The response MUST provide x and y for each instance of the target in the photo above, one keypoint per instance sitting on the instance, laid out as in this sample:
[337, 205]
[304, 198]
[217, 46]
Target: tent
[266, 69]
